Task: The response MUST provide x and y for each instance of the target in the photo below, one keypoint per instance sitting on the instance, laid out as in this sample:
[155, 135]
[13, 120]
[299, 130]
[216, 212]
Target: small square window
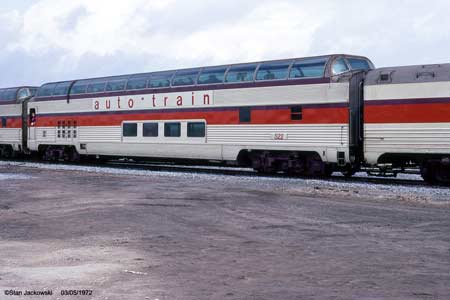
[196, 129]
[296, 113]
[129, 129]
[244, 115]
[150, 129]
[172, 129]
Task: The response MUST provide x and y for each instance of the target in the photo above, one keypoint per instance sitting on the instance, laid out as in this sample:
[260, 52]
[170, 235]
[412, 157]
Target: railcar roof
[319, 68]
[10, 94]
[409, 74]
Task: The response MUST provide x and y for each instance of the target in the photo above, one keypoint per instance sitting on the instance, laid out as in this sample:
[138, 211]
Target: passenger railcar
[288, 115]
[12, 128]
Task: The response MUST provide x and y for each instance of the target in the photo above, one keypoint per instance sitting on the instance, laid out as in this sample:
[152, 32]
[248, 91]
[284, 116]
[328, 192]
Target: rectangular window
[273, 70]
[150, 129]
[137, 83]
[309, 67]
[129, 129]
[244, 115]
[172, 129]
[212, 75]
[185, 78]
[196, 129]
[241, 73]
[296, 113]
[4, 122]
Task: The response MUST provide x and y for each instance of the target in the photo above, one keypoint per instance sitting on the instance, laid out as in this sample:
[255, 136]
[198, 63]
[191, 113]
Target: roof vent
[385, 77]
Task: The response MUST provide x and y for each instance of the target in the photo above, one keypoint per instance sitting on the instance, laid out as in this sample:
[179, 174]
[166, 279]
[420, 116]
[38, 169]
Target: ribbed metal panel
[408, 138]
[100, 134]
[10, 135]
[303, 135]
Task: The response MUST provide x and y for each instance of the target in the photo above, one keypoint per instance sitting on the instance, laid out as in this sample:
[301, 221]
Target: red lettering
[193, 98]
[130, 103]
[205, 99]
[96, 105]
[179, 100]
[108, 104]
[154, 99]
[118, 102]
[165, 100]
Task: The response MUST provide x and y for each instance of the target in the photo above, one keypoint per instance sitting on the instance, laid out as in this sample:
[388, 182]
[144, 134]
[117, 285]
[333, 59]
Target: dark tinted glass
[212, 75]
[196, 129]
[2, 94]
[358, 64]
[150, 129]
[339, 66]
[129, 129]
[78, 88]
[244, 115]
[10, 94]
[296, 113]
[62, 88]
[311, 67]
[46, 90]
[185, 78]
[159, 81]
[96, 87]
[137, 83]
[172, 129]
[241, 73]
[273, 71]
[115, 85]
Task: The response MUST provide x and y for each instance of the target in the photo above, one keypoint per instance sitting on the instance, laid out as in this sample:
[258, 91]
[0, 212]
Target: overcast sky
[51, 40]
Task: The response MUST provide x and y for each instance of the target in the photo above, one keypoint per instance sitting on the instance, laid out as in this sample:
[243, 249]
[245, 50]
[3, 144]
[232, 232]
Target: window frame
[288, 70]
[172, 123]
[127, 124]
[342, 72]
[230, 69]
[188, 124]
[324, 72]
[150, 123]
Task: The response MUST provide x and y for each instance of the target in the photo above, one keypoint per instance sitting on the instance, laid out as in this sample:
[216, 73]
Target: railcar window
[196, 129]
[129, 129]
[4, 124]
[308, 68]
[137, 83]
[296, 113]
[11, 94]
[78, 88]
[46, 90]
[358, 64]
[172, 129]
[115, 85]
[150, 129]
[62, 88]
[245, 115]
[2, 94]
[96, 87]
[159, 81]
[241, 73]
[339, 66]
[23, 93]
[212, 75]
[273, 71]
[185, 78]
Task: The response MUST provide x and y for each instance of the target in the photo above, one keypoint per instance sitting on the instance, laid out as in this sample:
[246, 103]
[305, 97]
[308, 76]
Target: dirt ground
[220, 237]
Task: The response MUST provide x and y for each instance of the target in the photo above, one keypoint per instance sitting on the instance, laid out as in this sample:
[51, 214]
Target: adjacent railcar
[407, 119]
[296, 115]
[12, 127]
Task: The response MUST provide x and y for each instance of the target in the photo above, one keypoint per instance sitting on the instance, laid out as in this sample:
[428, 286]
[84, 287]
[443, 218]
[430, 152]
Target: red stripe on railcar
[328, 115]
[407, 113]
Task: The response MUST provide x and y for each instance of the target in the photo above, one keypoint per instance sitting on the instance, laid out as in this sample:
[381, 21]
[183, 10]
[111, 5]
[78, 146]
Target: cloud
[53, 40]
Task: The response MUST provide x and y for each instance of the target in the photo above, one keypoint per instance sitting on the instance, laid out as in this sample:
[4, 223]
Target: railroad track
[229, 171]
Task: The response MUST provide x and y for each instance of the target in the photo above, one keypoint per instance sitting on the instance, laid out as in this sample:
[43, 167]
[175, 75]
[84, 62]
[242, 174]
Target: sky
[53, 40]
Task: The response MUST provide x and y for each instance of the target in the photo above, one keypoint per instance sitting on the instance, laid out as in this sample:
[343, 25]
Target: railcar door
[32, 118]
[356, 119]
